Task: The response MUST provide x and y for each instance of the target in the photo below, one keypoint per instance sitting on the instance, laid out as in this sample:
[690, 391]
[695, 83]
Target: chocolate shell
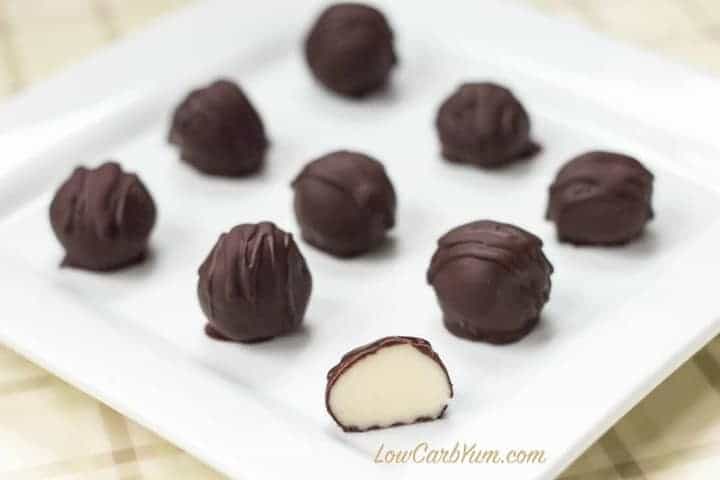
[390, 382]
[483, 124]
[491, 280]
[103, 218]
[344, 203]
[601, 198]
[254, 284]
[350, 49]
[219, 132]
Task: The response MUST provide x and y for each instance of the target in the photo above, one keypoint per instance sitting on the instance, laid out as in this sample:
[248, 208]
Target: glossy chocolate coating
[356, 354]
[254, 284]
[601, 198]
[219, 132]
[350, 49]
[344, 203]
[483, 124]
[103, 218]
[491, 280]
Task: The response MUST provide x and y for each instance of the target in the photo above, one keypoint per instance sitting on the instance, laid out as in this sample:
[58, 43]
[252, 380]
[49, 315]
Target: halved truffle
[219, 132]
[350, 49]
[344, 203]
[392, 381]
[103, 218]
[483, 124]
[601, 198]
[254, 284]
[491, 279]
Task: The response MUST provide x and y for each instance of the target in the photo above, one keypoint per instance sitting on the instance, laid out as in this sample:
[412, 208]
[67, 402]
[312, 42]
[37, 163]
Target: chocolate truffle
[392, 381]
[254, 284]
[483, 124]
[491, 280]
[103, 218]
[601, 198]
[219, 132]
[344, 203]
[350, 49]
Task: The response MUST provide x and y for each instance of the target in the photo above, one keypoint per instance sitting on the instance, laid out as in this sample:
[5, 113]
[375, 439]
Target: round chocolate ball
[601, 198]
[344, 203]
[254, 284]
[219, 132]
[483, 124]
[491, 280]
[350, 49]
[103, 218]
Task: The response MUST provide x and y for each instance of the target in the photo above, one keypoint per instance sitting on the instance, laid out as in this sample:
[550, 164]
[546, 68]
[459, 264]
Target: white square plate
[618, 321]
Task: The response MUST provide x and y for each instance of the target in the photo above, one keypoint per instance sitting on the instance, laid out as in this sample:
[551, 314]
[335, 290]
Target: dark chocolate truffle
[350, 49]
[491, 280]
[344, 203]
[601, 198]
[219, 132]
[254, 284]
[103, 218]
[390, 382]
[483, 124]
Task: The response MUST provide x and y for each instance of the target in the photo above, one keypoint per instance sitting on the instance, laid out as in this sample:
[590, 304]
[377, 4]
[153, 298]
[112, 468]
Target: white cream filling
[397, 384]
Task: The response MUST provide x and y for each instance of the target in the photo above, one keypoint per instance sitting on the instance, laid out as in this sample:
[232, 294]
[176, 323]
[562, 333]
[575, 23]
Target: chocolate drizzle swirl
[102, 217]
[254, 284]
[601, 198]
[492, 280]
[344, 203]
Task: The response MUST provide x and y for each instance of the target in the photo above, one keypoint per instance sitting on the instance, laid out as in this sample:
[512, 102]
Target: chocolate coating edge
[494, 337]
[358, 353]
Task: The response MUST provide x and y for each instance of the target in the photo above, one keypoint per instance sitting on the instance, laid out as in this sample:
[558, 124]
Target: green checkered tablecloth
[48, 429]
